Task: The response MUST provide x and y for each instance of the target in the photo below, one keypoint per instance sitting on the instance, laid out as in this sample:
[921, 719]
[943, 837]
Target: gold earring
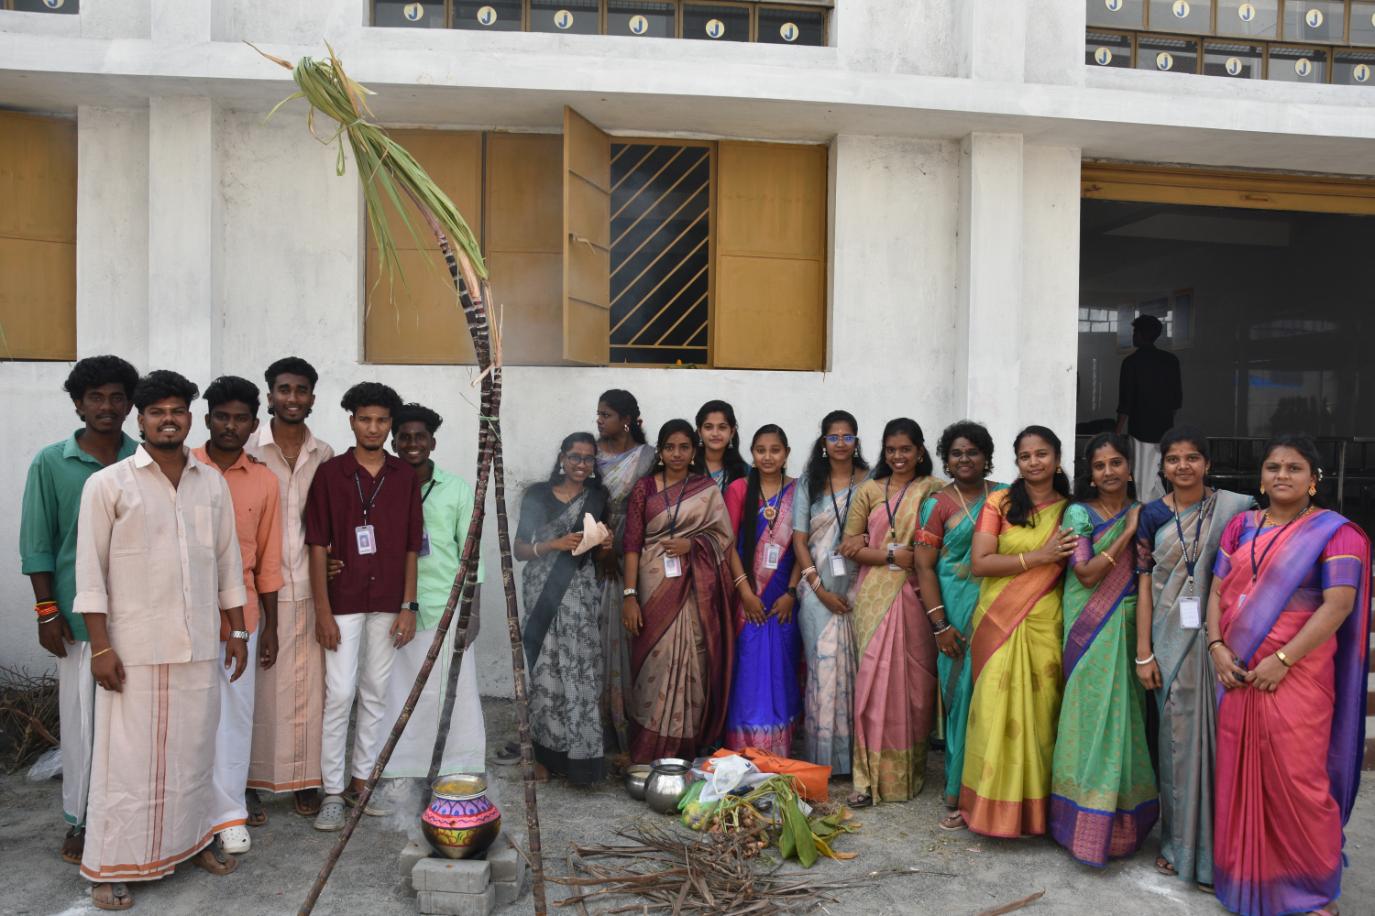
[1312, 489]
[1262, 489]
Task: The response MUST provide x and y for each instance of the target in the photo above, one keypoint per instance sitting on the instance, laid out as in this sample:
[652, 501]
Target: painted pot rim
[460, 787]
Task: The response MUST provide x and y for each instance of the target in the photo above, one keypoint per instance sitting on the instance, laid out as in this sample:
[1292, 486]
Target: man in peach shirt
[232, 418]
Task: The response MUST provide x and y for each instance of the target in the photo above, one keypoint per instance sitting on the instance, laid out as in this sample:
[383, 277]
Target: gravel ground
[286, 854]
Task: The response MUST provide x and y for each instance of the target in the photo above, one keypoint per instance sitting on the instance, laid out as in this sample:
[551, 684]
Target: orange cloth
[810, 778]
[258, 523]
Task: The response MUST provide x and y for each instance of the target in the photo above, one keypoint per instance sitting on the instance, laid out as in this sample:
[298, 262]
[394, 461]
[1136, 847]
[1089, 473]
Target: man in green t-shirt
[102, 390]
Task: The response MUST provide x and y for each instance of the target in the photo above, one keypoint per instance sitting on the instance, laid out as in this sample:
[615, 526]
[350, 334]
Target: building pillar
[992, 40]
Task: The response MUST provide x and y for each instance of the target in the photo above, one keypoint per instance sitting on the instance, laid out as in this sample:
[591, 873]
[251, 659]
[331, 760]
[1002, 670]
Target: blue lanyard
[1192, 563]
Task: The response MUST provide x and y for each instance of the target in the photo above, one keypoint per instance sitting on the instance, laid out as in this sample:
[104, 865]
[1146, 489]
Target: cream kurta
[288, 711]
[160, 563]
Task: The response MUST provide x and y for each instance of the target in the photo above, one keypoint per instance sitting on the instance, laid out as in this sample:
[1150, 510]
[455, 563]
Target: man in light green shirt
[101, 389]
[447, 501]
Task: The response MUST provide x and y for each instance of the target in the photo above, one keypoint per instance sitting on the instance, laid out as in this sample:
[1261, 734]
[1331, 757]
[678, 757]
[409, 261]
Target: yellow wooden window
[37, 237]
[586, 241]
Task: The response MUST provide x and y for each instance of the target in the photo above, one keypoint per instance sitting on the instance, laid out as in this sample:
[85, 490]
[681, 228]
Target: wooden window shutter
[770, 266]
[418, 319]
[37, 237]
[586, 241]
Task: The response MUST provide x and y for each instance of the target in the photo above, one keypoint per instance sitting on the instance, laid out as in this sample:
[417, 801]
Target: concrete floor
[286, 854]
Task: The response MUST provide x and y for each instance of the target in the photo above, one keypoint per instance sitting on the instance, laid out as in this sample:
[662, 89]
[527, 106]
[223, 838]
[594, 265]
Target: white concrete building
[211, 240]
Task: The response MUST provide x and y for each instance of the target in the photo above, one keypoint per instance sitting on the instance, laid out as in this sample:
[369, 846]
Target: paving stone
[443, 903]
[508, 892]
[506, 863]
[455, 876]
[411, 853]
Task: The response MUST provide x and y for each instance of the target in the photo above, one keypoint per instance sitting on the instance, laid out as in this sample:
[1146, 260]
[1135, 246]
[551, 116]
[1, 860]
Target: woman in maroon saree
[1290, 656]
[677, 535]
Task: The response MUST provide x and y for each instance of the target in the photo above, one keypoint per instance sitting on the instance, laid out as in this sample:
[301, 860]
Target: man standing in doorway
[289, 697]
[364, 508]
[232, 418]
[102, 390]
[1149, 391]
[156, 563]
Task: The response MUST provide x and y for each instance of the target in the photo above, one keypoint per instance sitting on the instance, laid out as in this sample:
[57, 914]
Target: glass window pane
[634, 17]
[1248, 18]
[1117, 14]
[1106, 49]
[1315, 20]
[1362, 22]
[493, 15]
[1233, 58]
[1168, 55]
[1192, 16]
[713, 22]
[54, 6]
[1297, 65]
[409, 14]
[1354, 68]
[577, 17]
[796, 27]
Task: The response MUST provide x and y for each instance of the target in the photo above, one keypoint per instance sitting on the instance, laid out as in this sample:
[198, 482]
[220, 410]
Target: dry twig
[28, 716]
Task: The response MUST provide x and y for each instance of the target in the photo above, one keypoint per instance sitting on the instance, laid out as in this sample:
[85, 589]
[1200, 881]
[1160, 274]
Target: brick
[454, 876]
[442, 903]
[411, 853]
[508, 892]
[506, 863]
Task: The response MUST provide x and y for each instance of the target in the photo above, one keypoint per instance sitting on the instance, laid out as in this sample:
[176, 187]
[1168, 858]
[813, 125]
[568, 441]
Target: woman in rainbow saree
[1290, 652]
[1014, 655]
[765, 696]
[622, 459]
[677, 535]
[895, 678]
[948, 587]
[1103, 800]
[1174, 536]
[828, 641]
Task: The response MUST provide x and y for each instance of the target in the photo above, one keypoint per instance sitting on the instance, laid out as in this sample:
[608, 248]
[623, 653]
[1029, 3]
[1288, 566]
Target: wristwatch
[629, 593]
[792, 593]
[239, 634]
[412, 606]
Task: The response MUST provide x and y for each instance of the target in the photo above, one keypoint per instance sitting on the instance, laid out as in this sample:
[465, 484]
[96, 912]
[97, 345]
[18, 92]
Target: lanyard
[1265, 516]
[682, 492]
[425, 493]
[770, 506]
[1191, 563]
[849, 494]
[368, 503]
[892, 516]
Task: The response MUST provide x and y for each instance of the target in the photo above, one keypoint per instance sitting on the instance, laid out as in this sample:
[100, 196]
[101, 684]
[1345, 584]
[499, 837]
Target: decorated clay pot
[461, 820]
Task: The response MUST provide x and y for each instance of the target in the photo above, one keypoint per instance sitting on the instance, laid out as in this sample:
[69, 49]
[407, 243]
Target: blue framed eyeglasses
[835, 439]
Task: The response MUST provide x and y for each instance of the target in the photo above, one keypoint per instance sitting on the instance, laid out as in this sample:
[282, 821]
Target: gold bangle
[741, 578]
[1021, 558]
[96, 655]
[1110, 559]
[1284, 659]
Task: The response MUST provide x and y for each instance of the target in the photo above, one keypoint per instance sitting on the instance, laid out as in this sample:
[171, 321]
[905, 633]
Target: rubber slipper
[73, 845]
[112, 896]
[859, 800]
[215, 860]
[257, 814]
[1163, 866]
[509, 754]
[953, 822]
[306, 802]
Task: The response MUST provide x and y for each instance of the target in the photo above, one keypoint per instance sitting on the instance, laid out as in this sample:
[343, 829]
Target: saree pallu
[895, 679]
[765, 695]
[948, 527]
[618, 474]
[562, 638]
[1288, 762]
[1185, 704]
[1014, 657]
[1103, 799]
[828, 642]
[681, 663]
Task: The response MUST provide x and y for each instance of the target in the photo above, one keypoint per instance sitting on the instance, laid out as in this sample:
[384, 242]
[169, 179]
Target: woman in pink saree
[1290, 656]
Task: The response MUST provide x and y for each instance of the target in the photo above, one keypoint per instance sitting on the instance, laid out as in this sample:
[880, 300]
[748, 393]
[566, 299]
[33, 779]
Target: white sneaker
[235, 840]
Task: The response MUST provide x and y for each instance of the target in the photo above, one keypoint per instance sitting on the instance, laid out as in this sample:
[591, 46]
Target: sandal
[215, 860]
[73, 845]
[112, 896]
[306, 802]
[508, 755]
[257, 814]
[953, 822]
[859, 800]
[1163, 866]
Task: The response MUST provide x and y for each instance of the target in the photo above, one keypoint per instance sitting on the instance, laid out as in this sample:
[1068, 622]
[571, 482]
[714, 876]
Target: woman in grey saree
[1177, 540]
[562, 633]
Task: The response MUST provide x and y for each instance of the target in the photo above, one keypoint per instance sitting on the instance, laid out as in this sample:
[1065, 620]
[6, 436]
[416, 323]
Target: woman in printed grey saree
[1177, 539]
[562, 633]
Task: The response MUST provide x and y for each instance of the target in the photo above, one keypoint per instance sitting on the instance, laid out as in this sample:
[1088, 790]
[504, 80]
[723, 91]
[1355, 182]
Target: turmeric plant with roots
[390, 176]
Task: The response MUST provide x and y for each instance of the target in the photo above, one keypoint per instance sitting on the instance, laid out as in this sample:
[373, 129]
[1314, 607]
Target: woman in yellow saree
[1020, 551]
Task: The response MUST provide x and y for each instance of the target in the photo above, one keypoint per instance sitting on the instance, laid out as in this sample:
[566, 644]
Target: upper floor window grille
[1299, 41]
[801, 22]
[70, 7]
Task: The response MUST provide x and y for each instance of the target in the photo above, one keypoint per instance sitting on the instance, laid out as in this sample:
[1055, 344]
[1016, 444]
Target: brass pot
[461, 821]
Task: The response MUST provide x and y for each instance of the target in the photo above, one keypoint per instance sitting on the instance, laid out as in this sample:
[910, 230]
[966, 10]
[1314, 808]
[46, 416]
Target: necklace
[1256, 564]
[964, 505]
[771, 505]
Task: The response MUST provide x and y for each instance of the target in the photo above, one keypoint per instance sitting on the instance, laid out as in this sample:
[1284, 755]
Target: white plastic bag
[727, 775]
[46, 766]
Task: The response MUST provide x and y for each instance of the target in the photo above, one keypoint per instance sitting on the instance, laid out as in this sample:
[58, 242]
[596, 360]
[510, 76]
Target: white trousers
[76, 714]
[1146, 470]
[234, 740]
[361, 665]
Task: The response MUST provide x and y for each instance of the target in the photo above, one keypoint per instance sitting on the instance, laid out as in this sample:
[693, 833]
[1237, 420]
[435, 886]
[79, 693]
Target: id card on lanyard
[424, 532]
[773, 554]
[365, 535]
[1190, 608]
[673, 566]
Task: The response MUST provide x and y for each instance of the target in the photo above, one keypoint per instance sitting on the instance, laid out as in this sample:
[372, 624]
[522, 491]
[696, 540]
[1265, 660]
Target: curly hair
[290, 365]
[228, 388]
[976, 433]
[371, 394]
[416, 413]
[161, 384]
[94, 371]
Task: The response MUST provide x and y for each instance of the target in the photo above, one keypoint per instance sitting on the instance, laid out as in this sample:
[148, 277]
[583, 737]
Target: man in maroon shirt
[364, 511]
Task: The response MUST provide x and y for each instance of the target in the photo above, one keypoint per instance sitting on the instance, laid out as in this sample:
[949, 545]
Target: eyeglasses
[580, 459]
[835, 439]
